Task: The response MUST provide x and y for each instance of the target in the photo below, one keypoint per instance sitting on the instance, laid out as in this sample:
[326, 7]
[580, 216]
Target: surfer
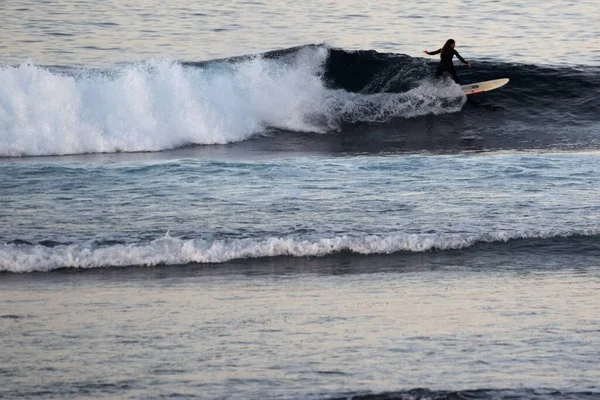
[447, 54]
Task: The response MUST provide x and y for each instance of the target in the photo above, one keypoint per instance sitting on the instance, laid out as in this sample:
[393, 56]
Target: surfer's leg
[454, 75]
[439, 71]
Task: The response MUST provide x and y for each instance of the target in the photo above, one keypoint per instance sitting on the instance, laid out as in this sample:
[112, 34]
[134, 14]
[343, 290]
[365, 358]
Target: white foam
[159, 105]
[174, 251]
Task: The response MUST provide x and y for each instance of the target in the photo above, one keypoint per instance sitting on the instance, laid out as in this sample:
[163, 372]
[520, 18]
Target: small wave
[175, 251]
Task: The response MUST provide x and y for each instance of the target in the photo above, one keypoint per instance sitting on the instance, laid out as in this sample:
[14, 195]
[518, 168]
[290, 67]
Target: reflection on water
[251, 335]
[90, 32]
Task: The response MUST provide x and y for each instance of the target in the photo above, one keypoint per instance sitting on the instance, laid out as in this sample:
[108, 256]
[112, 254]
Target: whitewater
[159, 104]
[174, 212]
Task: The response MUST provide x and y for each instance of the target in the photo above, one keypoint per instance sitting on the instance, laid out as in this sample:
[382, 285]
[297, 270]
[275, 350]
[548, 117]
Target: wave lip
[175, 251]
[160, 105]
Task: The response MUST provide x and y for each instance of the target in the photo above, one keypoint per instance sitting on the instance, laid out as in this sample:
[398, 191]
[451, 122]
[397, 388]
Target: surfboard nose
[486, 86]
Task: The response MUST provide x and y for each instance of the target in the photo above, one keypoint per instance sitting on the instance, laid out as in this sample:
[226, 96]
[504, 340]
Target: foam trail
[159, 105]
[173, 251]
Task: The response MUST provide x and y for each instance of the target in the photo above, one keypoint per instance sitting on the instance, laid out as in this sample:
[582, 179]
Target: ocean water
[277, 200]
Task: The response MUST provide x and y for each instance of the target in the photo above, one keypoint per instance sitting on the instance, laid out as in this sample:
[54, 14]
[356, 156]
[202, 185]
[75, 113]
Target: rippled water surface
[341, 330]
[67, 32]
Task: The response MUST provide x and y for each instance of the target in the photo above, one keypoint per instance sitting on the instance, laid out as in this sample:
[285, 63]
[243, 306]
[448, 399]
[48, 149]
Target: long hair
[447, 49]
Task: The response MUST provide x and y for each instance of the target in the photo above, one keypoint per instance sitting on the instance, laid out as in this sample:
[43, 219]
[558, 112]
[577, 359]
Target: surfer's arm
[433, 53]
[460, 58]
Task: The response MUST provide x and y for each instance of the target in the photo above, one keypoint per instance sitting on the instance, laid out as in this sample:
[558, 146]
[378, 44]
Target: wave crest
[175, 251]
[159, 105]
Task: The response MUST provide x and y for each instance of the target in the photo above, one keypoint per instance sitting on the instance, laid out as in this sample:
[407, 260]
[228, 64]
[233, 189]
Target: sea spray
[159, 104]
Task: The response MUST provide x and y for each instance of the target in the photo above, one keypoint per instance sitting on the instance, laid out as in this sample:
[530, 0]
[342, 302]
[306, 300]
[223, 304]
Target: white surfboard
[482, 87]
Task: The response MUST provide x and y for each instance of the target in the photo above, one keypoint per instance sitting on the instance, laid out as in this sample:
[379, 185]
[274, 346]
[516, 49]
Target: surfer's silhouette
[447, 54]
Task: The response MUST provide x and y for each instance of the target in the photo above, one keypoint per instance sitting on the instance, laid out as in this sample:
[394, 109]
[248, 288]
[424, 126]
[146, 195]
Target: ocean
[276, 199]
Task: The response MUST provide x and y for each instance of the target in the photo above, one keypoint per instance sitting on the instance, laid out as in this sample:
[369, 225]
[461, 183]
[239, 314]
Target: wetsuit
[446, 63]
